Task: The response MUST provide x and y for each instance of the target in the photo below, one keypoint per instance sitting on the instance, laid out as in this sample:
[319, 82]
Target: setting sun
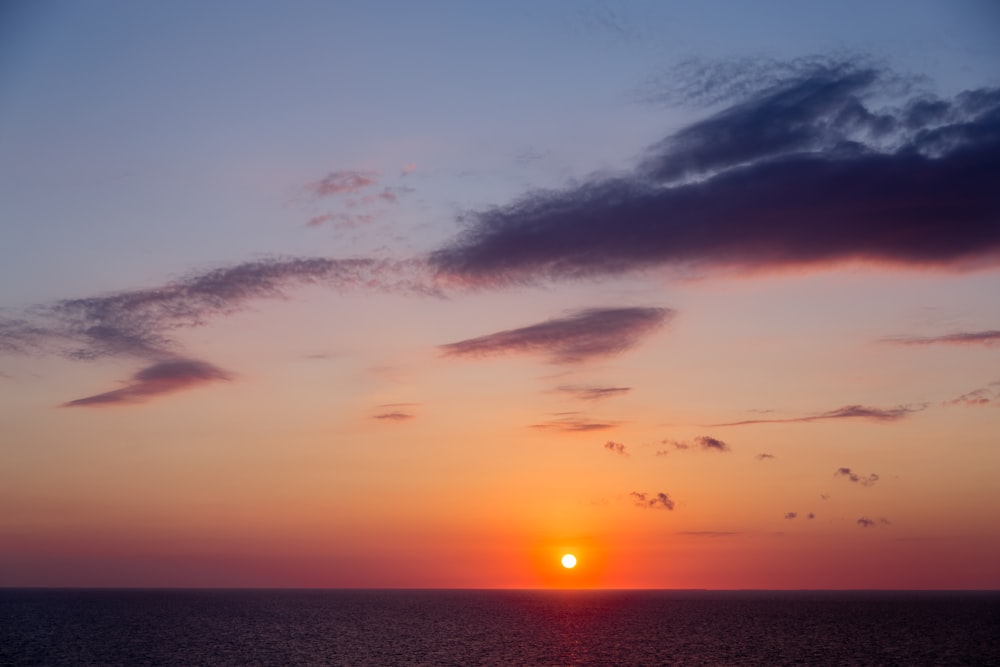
[569, 561]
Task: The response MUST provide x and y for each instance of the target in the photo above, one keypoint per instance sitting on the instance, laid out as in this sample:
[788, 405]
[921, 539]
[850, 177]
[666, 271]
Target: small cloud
[581, 336]
[165, 377]
[591, 393]
[616, 447]
[711, 444]
[810, 516]
[764, 456]
[653, 500]
[574, 425]
[395, 416]
[407, 169]
[790, 515]
[824, 496]
[978, 397]
[854, 477]
[987, 338]
[707, 533]
[865, 522]
[342, 182]
[846, 412]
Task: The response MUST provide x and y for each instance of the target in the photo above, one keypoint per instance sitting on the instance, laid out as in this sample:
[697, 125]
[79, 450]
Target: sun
[569, 561]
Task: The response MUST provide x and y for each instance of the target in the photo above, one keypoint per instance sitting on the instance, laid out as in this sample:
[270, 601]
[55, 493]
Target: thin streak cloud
[581, 336]
[846, 412]
[165, 377]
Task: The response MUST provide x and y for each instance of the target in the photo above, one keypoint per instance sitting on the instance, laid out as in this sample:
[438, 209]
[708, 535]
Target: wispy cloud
[986, 338]
[978, 397]
[141, 323]
[616, 447]
[652, 500]
[846, 412]
[805, 170]
[165, 377]
[342, 182]
[764, 456]
[592, 393]
[396, 416]
[791, 515]
[581, 336]
[574, 424]
[855, 477]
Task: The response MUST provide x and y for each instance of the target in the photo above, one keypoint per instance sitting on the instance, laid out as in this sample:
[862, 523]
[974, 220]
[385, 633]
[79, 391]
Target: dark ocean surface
[410, 627]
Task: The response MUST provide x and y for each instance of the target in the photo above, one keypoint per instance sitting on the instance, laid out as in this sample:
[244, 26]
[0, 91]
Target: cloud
[707, 533]
[711, 444]
[395, 416]
[341, 220]
[652, 500]
[578, 337]
[865, 522]
[988, 338]
[790, 515]
[342, 182]
[805, 170]
[165, 377]
[978, 397]
[846, 412]
[616, 447]
[592, 393]
[764, 456]
[704, 442]
[856, 478]
[140, 323]
[574, 424]
[810, 516]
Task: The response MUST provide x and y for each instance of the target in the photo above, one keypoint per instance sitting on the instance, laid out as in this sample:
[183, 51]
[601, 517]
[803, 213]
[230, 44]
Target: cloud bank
[814, 168]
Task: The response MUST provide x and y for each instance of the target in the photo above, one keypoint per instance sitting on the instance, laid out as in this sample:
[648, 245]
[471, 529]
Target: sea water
[446, 627]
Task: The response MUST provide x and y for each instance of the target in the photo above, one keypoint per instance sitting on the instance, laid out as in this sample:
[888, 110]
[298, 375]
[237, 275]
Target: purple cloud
[865, 522]
[846, 412]
[652, 500]
[165, 377]
[711, 444]
[140, 323]
[578, 337]
[804, 171]
[395, 416]
[978, 397]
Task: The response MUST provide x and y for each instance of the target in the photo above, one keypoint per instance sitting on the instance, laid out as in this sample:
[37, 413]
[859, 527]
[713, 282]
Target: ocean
[193, 628]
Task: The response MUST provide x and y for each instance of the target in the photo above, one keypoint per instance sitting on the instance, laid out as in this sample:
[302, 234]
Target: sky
[395, 294]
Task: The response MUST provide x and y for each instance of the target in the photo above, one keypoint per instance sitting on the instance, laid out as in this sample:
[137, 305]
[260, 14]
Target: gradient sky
[395, 294]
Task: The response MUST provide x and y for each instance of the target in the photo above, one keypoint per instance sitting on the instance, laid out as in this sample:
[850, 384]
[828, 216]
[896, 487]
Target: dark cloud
[574, 424]
[790, 515]
[652, 500]
[140, 323]
[578, 337]
[865, 522]
[711, 444]
[764, 457]
[165, 377]
[616, 447]
[846, 412]
[806, 170]
[342, 182]
[987, 338]
[396, 415]
[810, 516]
[591, 393]
[856, 478]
